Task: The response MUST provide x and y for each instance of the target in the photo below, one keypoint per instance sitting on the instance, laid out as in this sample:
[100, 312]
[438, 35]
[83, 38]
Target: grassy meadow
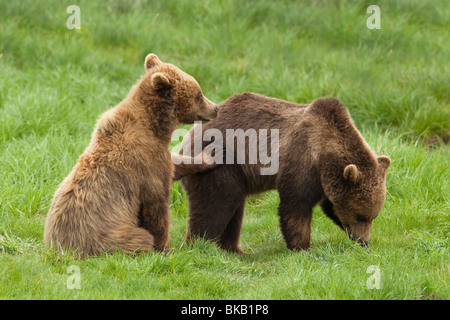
[55, 82]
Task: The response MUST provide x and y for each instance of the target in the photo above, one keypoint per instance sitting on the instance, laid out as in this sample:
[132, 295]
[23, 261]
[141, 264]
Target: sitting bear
[117, 195]
[323, 159]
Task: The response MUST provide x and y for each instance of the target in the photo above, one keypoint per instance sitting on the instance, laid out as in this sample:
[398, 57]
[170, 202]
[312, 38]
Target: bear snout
[360, 232]
[364, 243]
[216, 109]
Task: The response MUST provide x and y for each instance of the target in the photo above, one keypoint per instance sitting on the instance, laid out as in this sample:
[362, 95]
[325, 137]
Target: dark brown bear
[323, 159]
[117, 195]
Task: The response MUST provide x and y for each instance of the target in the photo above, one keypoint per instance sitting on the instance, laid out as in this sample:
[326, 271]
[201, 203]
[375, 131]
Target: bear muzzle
[208, 111]
[360, 232]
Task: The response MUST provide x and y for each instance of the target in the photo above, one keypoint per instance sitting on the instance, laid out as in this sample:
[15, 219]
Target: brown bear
[322, 159]
[117, 195]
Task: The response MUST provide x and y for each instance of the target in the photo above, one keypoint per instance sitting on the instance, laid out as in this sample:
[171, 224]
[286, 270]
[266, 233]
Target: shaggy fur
[117, 195]
[323, 159]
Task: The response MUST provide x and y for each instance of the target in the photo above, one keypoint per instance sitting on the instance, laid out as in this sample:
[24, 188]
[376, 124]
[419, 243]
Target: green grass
[55, 82]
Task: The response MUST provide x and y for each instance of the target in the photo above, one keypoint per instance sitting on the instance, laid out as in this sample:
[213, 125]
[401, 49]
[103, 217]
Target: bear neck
[162, 119]
[158, 113]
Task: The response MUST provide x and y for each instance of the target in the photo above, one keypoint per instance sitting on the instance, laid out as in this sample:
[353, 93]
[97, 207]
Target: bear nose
[216, 109]
[364, 243]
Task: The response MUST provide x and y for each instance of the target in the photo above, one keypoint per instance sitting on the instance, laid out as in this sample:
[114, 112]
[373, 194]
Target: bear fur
[117, 195]
[323, 159]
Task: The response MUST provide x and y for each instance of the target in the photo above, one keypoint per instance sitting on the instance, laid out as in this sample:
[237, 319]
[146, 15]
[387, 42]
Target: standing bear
[117, 195]
[318, 157]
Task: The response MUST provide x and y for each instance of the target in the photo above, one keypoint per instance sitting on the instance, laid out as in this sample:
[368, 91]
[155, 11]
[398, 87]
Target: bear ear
[384, 162]
[352, 173]
[151, 61]
[160, 81]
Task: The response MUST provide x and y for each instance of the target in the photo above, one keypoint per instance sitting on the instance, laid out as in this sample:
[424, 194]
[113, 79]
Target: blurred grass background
[55, 82]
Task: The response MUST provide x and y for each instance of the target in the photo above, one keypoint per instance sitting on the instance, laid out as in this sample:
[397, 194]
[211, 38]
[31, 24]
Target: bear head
[169, 82]
[361, 200]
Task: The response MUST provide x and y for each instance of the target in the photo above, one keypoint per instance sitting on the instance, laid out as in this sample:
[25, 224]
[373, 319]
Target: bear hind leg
[229, 240]
[130, 239]
[224, 227]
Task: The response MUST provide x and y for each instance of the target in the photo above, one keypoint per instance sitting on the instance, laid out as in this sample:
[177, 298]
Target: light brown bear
[322, 157]
[117, 195]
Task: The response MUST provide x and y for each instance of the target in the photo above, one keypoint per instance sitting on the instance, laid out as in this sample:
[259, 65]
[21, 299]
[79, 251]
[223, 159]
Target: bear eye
[199, 97]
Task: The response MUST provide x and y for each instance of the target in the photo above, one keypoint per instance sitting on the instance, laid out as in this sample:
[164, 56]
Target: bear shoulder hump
[330, 108]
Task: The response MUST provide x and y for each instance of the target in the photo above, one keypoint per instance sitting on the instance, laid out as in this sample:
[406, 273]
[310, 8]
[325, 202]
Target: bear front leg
[299, 193]
[155, 217]
[295, 223]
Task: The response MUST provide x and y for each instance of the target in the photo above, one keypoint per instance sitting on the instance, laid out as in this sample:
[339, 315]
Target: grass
[55, 82]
